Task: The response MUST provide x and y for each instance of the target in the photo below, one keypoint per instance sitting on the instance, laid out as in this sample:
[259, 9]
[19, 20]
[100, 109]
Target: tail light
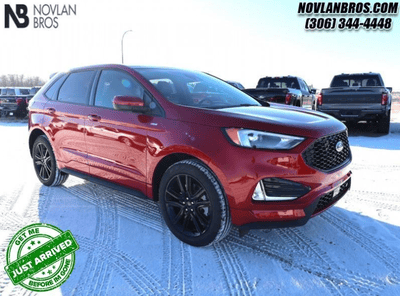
[288, 98]
[19, 100]
[384, 99]
[319, 99]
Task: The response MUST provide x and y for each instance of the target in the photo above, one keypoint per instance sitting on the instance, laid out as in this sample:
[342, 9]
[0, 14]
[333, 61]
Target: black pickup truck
[358, 97]
[13, 101]
[289, 90]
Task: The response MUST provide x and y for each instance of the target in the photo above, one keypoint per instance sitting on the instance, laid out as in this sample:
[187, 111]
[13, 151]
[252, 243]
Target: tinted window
[116, 83]
[34, 90]
[52, 91]
[11, 92]
[355, 80]
[281, 82]
[24, 91]
[76, 88]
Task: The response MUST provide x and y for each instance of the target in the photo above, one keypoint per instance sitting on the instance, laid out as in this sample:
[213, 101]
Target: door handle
[94, 117]
[51, 110]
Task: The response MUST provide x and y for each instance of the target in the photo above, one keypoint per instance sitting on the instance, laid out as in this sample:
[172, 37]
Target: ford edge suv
[211, 155]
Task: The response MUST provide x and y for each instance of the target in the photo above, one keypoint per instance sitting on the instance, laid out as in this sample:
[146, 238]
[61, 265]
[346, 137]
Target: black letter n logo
[22, 10]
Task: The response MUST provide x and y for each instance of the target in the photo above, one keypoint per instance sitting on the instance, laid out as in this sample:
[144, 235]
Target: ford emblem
[339, 146]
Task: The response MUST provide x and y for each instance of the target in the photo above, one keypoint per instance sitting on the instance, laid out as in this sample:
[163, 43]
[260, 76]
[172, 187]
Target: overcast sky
[234, 40]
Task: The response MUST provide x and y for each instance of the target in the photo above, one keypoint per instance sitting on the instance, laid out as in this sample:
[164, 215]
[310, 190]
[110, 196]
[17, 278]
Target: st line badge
[41, 257]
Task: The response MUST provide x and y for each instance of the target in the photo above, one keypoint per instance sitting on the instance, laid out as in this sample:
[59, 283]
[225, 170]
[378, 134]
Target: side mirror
[127, 103]
[390, 89]
[313, 91]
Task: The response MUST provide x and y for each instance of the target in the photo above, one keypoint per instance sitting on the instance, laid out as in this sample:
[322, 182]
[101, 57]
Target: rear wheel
[45, 163]
[384, 124]
[193, 204]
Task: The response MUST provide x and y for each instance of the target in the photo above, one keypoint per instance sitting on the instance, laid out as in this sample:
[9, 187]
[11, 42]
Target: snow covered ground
[126, 249]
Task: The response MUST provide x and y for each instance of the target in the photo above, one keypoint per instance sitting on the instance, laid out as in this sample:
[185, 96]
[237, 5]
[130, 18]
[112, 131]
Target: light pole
[122, 45]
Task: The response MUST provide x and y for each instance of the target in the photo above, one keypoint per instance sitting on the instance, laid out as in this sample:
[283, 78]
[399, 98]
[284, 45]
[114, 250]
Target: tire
[45, 163]
[384, 125]
[197, 214]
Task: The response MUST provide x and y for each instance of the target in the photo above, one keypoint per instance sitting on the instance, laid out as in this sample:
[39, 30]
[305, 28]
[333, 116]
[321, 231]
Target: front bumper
[296, 214]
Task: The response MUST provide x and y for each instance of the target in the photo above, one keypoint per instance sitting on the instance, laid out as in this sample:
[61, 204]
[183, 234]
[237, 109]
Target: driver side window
[116, 83]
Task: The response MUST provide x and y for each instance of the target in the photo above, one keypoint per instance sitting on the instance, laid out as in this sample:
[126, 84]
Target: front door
[116, 140]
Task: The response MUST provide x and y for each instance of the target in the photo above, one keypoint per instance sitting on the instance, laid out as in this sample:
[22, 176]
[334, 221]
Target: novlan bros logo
[45, 16]
[21, 13]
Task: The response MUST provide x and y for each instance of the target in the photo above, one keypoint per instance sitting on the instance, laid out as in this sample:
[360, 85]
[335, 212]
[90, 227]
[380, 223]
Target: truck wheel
[45, 163]
[193, 203]
[384, 125]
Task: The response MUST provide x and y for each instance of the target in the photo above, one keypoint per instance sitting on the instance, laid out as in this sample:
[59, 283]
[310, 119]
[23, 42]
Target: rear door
[67, 111]
[116, 139]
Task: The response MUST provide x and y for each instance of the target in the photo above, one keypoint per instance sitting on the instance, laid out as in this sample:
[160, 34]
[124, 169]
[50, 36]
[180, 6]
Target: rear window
[76, 88]
[34, 90]
[356, 80]
[281, 82]
[52, 91]
[24, 91]
[10, 92]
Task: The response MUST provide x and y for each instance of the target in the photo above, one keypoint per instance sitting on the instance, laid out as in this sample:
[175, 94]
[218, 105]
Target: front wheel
[193, 203]
[45, 163]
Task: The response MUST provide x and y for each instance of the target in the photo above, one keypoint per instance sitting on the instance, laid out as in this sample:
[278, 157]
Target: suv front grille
[329, 199]
[323, 155]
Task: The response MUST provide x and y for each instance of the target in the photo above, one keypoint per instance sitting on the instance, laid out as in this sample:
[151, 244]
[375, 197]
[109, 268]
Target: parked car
[211, 159]
[13, 101]
[358, 97]
[289, 90]
[236, 84]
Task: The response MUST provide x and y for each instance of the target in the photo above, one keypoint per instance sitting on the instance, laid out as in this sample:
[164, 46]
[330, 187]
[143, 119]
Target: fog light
[258, 192]
[276, 189]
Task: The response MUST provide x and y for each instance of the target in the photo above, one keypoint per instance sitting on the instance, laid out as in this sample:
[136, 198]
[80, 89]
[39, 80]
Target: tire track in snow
[264, 248]
[141, 280]
[96, 281]
[139, 210]
[376, 167]
[177, 271]
[299, 241]
[378, 200]
[235, 275]
[372, 245]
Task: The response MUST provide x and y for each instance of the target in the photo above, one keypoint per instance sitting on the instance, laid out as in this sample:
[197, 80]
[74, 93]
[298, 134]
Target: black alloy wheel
[188, 205]
[45, 163]
[193, 203]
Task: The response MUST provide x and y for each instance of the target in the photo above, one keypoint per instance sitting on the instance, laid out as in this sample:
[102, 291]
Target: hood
[276, 118]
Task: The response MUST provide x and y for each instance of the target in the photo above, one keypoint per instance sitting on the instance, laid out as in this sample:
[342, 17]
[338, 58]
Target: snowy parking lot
[126, 249]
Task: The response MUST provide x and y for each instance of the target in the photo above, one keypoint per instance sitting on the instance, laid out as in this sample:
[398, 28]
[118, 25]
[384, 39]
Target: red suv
[211, 155]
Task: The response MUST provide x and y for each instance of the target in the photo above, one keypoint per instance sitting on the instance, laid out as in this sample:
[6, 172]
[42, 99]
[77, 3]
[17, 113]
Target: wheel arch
[33, 136]
[162, 166]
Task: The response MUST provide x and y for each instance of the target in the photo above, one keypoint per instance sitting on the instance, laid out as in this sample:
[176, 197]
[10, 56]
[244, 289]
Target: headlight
[262, 140]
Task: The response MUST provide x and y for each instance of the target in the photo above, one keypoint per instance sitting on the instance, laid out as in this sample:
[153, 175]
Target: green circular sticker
[41, 257]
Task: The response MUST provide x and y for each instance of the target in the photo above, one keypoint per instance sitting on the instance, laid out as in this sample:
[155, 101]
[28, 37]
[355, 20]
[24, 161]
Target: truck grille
[323, 155]
[329, 199]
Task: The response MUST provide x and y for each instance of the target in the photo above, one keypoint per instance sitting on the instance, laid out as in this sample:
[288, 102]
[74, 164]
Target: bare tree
[20, 80]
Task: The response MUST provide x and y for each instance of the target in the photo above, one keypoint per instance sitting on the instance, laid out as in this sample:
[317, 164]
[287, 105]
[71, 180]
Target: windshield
[195, 89]
[33, 90]
[24, 91]
[281, 82]
[355, 80]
